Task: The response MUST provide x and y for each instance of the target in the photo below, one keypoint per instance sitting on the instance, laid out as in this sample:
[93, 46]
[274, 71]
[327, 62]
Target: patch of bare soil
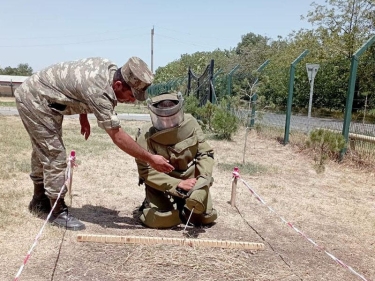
[335, 209]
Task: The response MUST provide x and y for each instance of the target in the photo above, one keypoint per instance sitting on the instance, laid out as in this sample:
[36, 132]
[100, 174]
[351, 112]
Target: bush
[213, 118]
[224, 123]
[191, 105]
[328, 144]
[206, 114]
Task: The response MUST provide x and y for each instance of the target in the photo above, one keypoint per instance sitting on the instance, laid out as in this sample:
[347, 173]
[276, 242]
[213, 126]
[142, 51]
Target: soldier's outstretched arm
[127, 144]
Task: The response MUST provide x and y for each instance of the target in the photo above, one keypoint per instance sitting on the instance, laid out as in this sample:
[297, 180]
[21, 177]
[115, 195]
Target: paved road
[12, 111]
[299, 123]
[305, 124]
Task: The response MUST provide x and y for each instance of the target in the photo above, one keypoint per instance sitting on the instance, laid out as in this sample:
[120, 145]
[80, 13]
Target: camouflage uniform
[192, 157]
[76, 87]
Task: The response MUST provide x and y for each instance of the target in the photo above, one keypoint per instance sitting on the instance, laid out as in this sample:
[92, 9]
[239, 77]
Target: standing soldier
[92, 85]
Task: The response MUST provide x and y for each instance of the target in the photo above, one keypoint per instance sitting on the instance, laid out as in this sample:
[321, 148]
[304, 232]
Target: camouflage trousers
[44, 126]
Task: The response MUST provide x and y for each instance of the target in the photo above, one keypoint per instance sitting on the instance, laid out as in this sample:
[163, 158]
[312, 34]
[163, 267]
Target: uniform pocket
[181, 146]
[183, 153]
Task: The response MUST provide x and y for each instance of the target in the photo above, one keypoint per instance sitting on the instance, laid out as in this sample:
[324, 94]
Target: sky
[44, 32]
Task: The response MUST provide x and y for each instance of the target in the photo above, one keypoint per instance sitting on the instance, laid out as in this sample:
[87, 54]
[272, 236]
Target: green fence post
[290, 95]
[351, 88]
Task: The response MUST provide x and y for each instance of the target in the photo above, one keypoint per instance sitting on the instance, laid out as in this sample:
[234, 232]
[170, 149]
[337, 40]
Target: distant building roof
[13, 78]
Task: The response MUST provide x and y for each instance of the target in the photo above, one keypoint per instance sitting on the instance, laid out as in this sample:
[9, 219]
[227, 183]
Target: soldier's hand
[160, 164]
[85, 131]
[85, 126]
[187, 184]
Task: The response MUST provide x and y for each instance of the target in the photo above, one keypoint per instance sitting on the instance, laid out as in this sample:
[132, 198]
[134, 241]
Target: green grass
[98, 143]
[15, 148]
[8, 103]
[136, 108]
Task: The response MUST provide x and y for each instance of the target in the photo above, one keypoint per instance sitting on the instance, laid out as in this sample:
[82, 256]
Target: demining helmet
[166, 110]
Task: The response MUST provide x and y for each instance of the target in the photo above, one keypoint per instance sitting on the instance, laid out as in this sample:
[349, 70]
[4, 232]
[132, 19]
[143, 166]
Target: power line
[72, 36]
[72, 43]
[190, 34]
[184, 42]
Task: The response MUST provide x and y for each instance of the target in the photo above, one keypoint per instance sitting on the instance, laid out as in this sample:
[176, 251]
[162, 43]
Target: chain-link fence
[290, 104]
[329, 98]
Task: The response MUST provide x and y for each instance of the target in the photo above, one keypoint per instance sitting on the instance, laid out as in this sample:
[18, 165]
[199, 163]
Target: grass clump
[244, 168]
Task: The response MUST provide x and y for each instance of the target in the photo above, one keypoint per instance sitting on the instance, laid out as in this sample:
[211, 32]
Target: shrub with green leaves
[206, 114]
[224, 124]
[191, 105]
[328, 144]
[213, 118]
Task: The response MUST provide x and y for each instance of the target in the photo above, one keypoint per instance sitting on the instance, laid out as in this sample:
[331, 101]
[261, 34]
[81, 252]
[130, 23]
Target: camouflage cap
[138, 76]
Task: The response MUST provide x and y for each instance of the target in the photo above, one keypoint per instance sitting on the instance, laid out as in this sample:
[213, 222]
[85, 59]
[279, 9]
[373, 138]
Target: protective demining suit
[185, 147]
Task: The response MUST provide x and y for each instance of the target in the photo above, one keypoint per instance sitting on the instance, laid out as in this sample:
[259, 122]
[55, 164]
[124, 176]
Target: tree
[253, 50]
[343, 25]
[197, 61]
[23, 69]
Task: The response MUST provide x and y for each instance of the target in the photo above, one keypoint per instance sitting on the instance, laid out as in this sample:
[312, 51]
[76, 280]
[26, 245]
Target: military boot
[61, 217]
[40, 202]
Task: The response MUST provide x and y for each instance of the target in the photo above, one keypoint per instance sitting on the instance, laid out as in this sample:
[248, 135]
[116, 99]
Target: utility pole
[152, 49]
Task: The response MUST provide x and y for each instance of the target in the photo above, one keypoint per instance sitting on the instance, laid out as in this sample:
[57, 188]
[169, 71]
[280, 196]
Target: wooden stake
[169, 241]
[70, 167]
[234, 192]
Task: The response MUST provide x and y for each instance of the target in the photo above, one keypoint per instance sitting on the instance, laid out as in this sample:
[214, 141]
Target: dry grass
[335, 209]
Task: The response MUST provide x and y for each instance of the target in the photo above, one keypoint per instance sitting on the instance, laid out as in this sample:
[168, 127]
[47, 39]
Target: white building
[8, 84]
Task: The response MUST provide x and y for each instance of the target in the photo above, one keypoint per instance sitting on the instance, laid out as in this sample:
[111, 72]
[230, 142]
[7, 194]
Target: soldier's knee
[198, 200]
[202, 219]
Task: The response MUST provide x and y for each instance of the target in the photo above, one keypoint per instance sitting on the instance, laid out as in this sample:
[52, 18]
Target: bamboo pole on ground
[169, 241]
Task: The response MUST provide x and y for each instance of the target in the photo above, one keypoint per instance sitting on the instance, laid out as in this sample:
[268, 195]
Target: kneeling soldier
[170, 198]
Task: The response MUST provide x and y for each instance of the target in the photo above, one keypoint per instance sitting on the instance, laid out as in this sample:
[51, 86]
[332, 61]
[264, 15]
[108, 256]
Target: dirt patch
[335, 209]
